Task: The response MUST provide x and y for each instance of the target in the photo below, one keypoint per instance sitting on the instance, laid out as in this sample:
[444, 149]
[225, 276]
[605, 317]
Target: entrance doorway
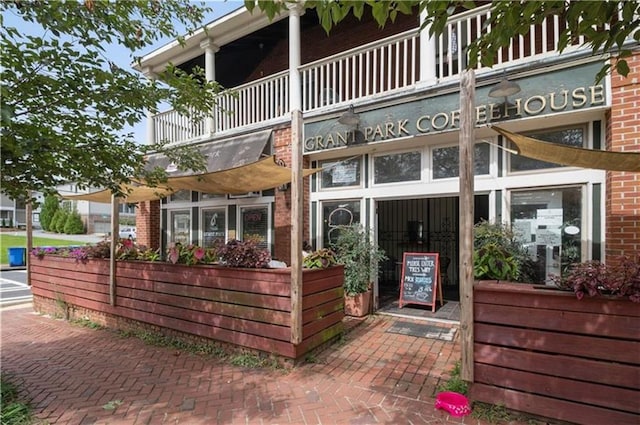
[422, 225]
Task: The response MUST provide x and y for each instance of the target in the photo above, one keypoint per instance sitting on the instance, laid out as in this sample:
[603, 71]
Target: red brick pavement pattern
[73, 375]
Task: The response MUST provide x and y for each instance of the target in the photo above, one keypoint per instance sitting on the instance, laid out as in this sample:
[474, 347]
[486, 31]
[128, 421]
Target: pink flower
[199, 253]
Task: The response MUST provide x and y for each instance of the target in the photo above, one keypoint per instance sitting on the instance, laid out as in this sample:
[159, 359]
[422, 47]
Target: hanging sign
[419, 283]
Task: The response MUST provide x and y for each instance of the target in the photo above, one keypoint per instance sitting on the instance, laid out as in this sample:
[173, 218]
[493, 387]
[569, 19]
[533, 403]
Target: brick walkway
[75, 375]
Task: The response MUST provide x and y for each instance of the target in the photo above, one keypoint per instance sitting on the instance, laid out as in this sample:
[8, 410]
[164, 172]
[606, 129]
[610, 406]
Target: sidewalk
[80, 376]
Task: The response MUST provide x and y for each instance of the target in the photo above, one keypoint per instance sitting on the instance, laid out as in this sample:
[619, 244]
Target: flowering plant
[41, 251]
[126, 249]
[191, 254]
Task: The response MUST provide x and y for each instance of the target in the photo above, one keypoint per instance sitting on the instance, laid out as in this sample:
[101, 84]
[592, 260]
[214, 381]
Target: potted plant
[498, 255]
[361, 258]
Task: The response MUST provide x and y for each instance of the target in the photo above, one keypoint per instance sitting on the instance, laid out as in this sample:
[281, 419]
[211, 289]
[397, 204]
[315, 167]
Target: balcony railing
[379, 68]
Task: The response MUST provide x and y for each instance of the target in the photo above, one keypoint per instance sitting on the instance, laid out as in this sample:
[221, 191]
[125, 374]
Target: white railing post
[428, 74]
[151, 128]
[210, 49]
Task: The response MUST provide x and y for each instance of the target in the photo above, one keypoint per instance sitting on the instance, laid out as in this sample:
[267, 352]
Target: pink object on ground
[454, 403]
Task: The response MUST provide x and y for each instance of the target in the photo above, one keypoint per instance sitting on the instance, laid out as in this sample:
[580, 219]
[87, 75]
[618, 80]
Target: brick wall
[282, 213]
[622, 234]
[148, 224]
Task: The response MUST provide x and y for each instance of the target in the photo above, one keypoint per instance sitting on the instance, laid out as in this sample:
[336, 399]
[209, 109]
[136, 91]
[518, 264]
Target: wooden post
[297, 195]
[29, 218]
[467, 139]
[297, 191]
[115, 230]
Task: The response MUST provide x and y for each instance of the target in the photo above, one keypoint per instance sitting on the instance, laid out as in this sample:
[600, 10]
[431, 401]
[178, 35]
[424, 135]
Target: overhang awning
[223, 154]
[133, 193]
[572, 156]
[259, 175]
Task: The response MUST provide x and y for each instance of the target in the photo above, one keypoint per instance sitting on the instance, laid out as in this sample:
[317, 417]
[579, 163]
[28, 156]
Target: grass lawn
[10, 241]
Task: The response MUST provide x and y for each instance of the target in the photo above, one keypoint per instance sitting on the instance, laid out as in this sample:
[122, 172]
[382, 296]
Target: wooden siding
[246, 307]
[544, 352]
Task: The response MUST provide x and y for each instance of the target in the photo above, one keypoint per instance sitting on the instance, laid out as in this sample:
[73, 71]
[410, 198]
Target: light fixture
[349, 118]
[504, 88]
[171, 168]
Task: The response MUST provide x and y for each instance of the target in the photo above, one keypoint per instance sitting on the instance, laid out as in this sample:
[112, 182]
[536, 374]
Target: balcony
[372, 71]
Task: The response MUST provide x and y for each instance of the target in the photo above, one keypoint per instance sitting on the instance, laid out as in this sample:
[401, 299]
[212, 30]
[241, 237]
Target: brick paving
[80, 376]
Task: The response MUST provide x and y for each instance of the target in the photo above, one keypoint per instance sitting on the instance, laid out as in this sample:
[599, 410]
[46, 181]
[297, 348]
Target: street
[13, 287]
[13, 283]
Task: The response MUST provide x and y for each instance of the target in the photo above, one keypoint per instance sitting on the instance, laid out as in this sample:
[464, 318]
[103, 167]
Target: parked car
[127, 233]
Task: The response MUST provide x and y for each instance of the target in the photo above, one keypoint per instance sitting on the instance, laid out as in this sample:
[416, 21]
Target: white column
[297, 191]
[210, 50]
[427, 54]
[295, 89]
[151, 128]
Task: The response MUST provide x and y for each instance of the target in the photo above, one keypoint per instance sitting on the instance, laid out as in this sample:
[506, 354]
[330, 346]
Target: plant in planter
[191, 254]
[245, 254]
[594, 278]
[320, 259]
[361, 258]
[499, 255]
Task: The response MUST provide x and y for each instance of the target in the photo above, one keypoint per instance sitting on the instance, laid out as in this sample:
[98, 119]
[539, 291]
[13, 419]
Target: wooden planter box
[247, 307]
[544, 352]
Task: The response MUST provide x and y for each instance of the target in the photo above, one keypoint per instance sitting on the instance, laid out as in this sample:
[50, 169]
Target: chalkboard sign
[420, 275]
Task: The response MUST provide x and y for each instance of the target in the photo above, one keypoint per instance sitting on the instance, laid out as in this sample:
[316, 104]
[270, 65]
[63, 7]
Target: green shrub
[74, 224]
[62, 220]
[53, 225]
[48, 210]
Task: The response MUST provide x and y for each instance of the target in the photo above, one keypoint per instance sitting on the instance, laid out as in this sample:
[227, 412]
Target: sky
[121, 56]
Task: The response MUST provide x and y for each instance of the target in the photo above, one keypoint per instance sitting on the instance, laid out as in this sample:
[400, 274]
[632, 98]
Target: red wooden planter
[545, 352]
[246, 307]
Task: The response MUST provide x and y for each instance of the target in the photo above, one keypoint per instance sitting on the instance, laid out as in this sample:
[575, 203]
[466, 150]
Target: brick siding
[148, 224]
[282, 213]
[622, 234]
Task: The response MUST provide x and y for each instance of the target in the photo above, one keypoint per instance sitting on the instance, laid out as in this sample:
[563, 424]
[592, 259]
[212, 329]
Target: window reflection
[336, 214]
[569, 137]
[341, 173]
[398, 167]
[549, 224]
[446, 161]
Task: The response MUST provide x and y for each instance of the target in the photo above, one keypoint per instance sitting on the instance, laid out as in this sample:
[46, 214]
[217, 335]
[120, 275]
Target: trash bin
[17, 256]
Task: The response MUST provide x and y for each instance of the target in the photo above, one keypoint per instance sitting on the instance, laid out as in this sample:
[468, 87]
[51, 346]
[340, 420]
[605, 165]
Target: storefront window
[336, 214]
[181, 227]
[446, 161]
[181, 196]
[341, 173]
[205, 196]
[399, 167]
[213, 225]
[255, 225]
[549, 224]
[569, 136]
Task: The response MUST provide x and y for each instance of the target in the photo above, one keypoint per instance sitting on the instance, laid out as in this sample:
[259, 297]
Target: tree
[606, 25]
[58, 220]
[48, 210]
[74, 225]
[65, 104]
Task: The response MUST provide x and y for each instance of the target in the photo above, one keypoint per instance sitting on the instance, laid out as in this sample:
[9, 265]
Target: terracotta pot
[357, 305]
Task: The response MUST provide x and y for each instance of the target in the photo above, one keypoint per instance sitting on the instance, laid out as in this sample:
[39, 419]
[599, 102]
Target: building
[394, 166]
[96, 216]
